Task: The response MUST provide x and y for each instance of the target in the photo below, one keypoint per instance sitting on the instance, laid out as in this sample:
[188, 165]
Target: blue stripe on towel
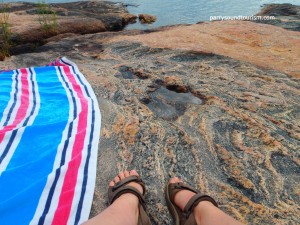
[6, 88]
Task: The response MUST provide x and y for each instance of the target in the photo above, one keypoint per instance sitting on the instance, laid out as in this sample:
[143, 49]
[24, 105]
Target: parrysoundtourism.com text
[249, 18]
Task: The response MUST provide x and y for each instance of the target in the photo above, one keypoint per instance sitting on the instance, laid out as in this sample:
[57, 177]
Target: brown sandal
[120, 188]
[185, 217]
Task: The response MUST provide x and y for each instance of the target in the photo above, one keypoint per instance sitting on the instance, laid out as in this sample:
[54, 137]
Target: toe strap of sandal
[128, 180]
[195, 200]
[121, 188]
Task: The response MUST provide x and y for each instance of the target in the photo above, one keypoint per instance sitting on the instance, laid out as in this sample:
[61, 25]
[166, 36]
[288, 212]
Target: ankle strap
[195, 200]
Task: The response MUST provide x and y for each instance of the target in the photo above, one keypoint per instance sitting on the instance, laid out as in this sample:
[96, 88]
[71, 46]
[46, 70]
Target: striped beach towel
[49, 133]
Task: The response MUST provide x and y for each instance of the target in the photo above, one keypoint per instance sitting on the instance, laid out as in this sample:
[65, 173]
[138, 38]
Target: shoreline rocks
[87, 17]
[29, 20]
[287, 16]
[147, 19]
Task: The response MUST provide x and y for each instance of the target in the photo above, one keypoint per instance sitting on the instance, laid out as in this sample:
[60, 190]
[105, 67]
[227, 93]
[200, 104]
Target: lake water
[171, 12]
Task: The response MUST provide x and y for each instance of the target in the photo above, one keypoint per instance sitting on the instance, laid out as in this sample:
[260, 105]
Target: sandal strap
[121, 187]
[131, 190]
[179, 186]
[143, 216]
[195, 200]
[129, 179]
[187, 214]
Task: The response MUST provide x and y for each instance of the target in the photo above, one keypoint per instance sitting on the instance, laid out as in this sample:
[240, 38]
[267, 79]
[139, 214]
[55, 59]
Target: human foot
[126, 202]
[120, 178]
[182, 199]
[128, 190]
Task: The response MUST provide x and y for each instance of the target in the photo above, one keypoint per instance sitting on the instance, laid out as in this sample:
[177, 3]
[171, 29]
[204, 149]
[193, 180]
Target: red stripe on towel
[58, 63]
[62, 212]
[23, 108]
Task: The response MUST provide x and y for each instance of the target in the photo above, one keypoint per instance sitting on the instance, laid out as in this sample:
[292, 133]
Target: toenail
[133, 172]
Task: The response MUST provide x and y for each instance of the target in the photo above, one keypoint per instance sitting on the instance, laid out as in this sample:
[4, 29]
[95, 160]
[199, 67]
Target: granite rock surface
[217, 104]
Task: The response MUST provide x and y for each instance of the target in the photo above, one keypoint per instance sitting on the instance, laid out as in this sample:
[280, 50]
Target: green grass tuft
[5, 31]
[47, 17]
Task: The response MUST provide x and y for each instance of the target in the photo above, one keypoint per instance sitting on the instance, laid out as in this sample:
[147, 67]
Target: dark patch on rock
[126, 48]
[118, 97]
[285, 165]
[126, 73]
[191, 56]
[249, 193]
[91, 48]
[130, 73]
[25, 48]
[172, 83]
[22, 6]
[168, 104]
[224, 129]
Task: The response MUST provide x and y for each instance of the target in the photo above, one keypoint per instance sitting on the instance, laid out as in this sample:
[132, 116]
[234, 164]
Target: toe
[133, 172]
[116, 179]
[126, 173]
[174, 180]
[121, 175]
[112, 183]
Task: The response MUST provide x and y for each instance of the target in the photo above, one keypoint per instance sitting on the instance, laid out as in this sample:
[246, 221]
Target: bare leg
[124, 210]
[205, 212]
